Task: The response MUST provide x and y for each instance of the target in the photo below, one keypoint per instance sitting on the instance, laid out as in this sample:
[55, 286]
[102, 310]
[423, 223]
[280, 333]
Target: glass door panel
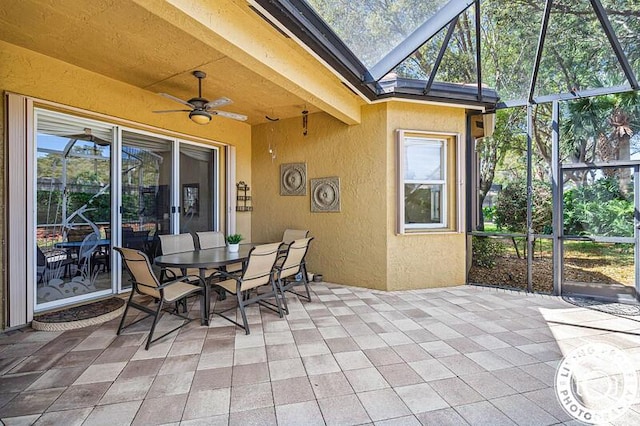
[73, 199]
[146, 192]
[197, 189]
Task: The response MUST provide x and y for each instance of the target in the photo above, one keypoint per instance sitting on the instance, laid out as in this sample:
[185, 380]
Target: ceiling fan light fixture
[200, 117]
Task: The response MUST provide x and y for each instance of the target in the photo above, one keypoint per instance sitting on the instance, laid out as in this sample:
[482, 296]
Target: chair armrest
[181, 279]
[228, 275]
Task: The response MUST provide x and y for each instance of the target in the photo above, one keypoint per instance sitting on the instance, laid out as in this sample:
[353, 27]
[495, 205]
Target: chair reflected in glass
[145, 283]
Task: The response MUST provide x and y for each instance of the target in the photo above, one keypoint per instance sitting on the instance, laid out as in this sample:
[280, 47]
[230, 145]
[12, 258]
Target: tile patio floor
[354, 356]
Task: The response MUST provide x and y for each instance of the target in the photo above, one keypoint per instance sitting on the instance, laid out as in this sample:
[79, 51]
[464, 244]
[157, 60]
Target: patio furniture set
[257, 273]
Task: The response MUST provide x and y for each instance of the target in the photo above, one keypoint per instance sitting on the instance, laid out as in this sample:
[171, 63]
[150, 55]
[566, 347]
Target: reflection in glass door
[73, 199]
[600, 232]
[146, 192]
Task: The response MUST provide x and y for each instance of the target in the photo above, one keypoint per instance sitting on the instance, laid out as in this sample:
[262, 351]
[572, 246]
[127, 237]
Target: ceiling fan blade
[173, 98]
[217, 103]
[232, 115]
[173, 110]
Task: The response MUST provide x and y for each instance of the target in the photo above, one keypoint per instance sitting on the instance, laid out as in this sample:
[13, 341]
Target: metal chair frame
[286, 271]
[160, 288]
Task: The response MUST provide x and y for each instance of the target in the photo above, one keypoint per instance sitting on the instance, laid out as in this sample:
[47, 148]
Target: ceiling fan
[202, 110]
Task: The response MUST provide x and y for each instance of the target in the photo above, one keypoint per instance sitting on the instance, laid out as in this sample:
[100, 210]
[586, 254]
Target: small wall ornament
[325, 194]
[293, 179]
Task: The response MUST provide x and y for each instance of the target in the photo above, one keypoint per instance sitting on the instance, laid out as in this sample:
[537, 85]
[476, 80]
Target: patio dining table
[214, 258]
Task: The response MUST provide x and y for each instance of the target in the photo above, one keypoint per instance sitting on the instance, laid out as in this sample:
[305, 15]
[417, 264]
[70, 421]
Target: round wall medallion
[326, 195]
[293, 179]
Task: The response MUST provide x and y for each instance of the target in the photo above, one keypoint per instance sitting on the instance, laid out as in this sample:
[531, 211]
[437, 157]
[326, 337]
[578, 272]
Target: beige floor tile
[207, 403]
[113, 414]
[301, 413]
[420, 398]
[343, 410]
[383, 404]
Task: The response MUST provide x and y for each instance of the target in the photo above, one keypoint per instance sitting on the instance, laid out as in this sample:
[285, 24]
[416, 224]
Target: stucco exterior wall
[350, 246]
[429, 259]
[33, 74]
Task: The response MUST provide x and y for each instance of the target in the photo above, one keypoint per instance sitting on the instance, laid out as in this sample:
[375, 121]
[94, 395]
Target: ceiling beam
[233, 29]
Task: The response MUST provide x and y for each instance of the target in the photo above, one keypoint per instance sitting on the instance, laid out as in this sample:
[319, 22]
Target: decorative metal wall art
[293, 179]
[325, 194]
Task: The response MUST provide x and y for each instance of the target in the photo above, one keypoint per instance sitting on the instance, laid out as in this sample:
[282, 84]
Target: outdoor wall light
[200, 117]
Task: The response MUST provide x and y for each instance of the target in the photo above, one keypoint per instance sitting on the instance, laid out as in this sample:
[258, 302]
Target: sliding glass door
[162, 185]
[198, 186]
[73, 216]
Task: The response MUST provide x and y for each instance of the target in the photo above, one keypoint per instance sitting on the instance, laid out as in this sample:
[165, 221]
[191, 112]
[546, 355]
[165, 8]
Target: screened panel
[577, 54]
[459, 61]
[420, 64]
[624, 16]
[509, 39]
[371, 29]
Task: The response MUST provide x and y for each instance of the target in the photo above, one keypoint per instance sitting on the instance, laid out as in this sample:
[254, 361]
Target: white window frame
[448, 141]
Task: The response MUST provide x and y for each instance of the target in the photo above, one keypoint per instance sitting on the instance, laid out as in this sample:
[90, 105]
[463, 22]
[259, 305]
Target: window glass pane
[423, 203]
[371, 29]
[423, 160]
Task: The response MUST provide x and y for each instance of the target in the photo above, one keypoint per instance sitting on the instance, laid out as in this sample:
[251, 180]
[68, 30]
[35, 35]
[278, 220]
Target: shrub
[485, 251]
[511, 207]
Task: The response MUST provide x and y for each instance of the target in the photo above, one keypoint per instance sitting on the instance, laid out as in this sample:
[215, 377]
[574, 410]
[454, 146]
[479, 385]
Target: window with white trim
[423, 187]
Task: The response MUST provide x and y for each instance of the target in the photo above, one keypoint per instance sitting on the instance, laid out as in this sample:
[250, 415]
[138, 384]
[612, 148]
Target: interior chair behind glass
[145, 282]
[258, 275]
[291, 267]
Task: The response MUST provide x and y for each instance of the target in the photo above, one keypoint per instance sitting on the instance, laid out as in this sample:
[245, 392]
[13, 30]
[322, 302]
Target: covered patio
[441, 154]
[463, 355]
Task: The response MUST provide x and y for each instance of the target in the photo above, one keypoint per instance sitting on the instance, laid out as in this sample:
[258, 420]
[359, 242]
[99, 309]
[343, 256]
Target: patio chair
[257, 274]
[145, 282]
[291, 235]
[180, 243]
[292, 265]
[215, 239]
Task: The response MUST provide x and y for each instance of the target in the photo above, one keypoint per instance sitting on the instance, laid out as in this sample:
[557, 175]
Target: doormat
[614, 308]
[80, 316]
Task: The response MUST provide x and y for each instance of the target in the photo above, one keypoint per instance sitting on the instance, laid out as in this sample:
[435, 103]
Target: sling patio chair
[215, 239]
[258, 274]
[291, 266]
[170, 244]
[145, 282]
[291, 235]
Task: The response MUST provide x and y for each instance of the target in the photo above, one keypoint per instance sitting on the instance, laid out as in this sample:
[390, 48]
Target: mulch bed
[510, 271]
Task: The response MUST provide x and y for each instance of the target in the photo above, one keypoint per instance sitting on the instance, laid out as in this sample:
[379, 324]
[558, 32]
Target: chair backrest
[139, 268]
[291, 235]
[176, 243]
[294, 258]
[260, 265]
[211, 239]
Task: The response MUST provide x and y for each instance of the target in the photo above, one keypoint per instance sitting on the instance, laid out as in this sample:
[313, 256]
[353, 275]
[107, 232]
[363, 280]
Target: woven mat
[80, 316]
[602, 306]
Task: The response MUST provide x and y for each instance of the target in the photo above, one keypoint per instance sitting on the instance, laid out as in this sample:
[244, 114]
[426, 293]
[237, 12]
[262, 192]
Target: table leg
[204, 305]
